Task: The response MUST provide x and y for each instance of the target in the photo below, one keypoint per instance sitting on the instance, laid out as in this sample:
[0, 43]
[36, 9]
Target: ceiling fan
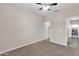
[46, 6]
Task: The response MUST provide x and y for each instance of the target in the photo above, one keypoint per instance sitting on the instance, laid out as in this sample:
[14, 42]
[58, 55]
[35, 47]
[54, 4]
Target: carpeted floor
[43, 48]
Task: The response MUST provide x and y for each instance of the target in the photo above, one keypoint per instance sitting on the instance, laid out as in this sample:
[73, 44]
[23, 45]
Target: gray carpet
[43, 48]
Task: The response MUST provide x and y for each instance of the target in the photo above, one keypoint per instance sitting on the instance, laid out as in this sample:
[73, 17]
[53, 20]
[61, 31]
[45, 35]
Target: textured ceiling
[54, 9]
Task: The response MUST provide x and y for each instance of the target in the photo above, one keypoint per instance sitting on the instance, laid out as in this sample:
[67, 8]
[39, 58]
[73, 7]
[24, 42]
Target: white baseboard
[20, 46]
[58, 43]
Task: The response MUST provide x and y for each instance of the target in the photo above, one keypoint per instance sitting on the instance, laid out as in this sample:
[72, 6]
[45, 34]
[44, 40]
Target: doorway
[73, 33]
[47, 30]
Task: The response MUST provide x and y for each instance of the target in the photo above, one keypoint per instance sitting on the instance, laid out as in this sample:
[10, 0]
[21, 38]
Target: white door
[47, 30]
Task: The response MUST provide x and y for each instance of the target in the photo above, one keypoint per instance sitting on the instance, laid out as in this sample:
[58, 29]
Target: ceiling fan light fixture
[46, 7]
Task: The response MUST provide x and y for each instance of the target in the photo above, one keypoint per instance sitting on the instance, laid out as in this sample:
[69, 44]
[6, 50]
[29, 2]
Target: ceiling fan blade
[39, 3]
[48, 9]
[40, 8]
[53, 4]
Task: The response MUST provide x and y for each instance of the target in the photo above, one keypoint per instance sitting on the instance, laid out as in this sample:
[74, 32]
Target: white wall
[57, 28]
[59, 24]
[18, 27]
